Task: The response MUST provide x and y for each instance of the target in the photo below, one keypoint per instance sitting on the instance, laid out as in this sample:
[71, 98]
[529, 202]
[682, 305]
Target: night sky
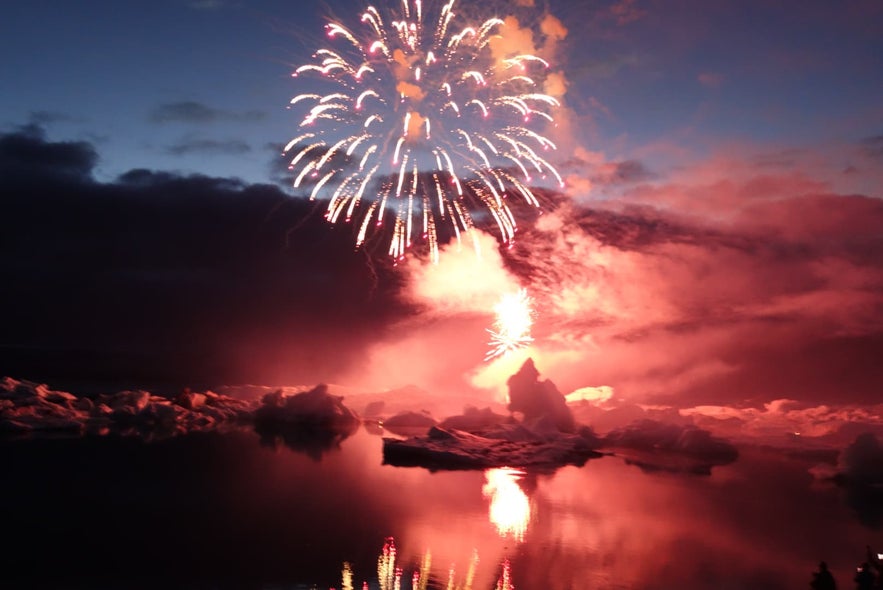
[718, 243]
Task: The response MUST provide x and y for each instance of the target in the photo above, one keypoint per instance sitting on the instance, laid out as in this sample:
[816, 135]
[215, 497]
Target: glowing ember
[511, 329]
[447, 131]
[510, 507]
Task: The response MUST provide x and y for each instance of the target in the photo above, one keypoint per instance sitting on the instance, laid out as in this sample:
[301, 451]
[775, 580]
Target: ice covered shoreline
[539, 432]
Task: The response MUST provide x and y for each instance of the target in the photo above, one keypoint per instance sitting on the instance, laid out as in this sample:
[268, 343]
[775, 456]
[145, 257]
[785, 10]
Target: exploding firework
[511, 329]
[423, 127]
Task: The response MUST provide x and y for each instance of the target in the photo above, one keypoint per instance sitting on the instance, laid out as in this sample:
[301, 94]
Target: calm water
[224, 511]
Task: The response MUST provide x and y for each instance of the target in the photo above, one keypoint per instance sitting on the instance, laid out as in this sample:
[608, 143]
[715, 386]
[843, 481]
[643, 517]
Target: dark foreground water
[223, 511]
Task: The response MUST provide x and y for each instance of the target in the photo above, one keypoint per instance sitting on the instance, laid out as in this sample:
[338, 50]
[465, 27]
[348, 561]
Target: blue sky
[201, 85]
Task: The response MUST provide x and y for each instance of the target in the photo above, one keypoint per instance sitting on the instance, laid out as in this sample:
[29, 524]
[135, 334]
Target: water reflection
[313, 441]
[249, 518]
[510, 507]
[346, 577]
[390, 573]
[505, 581]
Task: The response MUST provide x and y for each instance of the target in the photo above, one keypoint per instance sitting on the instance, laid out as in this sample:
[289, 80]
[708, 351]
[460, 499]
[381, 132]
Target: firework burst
[423, 127]
[511, 330]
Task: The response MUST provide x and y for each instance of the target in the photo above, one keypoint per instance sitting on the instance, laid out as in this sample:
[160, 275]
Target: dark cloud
[626, 11]
[711, 79]
[873, 146]
[207, 4]
[174, 279]
[861, 472]
[636, 228]
[862, 461]
[780, 159]
[47, 117]
[278, 164]
[25, 154]
[199, 113]
[604, 174]
[625, 172]
[209, 146]
[684, 304]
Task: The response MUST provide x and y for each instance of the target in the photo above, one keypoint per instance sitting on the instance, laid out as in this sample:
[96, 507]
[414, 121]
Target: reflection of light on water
[421, 576]
[470, 574]
[387, 573]
[510, 507]
[505, 581]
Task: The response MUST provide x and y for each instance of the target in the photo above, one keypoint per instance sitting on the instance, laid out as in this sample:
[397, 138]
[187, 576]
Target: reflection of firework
[388, 574]
[346, 577]
[505, 581]
[510, 507]
[511, 330]
[444, 129]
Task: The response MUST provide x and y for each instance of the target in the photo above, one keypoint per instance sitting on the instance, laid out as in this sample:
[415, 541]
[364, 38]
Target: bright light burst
[510, 507]
[423, 125]
[511, 329]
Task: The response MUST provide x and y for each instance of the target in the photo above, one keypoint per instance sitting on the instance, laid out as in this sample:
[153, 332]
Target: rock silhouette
[538, 400]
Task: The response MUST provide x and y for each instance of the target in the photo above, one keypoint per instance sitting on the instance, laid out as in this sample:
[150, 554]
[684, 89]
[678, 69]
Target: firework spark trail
[444, 132]
[511, 329]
